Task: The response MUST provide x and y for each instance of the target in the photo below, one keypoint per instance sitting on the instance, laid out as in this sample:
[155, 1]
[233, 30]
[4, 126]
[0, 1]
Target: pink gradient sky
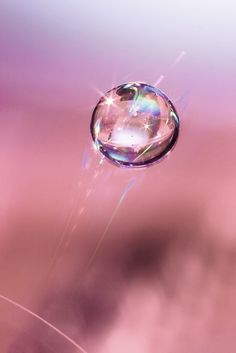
[54, 57]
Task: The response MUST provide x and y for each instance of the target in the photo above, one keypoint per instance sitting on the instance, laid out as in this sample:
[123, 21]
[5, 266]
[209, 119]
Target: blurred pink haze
[120, 260]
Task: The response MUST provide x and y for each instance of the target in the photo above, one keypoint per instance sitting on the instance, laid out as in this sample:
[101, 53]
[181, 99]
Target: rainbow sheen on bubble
[134, 125]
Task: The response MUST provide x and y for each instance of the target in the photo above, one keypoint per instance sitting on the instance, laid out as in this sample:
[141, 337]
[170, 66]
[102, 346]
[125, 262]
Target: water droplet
[134, 125]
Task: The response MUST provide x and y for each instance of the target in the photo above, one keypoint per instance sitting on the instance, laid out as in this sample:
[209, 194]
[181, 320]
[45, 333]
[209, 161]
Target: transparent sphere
[134, 125]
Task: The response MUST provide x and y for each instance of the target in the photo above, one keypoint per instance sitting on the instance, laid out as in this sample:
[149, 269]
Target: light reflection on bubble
[134, 125]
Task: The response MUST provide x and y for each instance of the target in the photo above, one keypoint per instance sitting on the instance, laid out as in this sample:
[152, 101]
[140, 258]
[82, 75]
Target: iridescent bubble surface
[134, 125]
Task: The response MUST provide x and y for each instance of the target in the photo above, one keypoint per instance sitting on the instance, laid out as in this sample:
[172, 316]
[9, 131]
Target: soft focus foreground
[117, 259]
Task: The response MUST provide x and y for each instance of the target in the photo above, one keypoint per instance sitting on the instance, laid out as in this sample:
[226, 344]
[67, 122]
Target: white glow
[109, 100]
[130, 137]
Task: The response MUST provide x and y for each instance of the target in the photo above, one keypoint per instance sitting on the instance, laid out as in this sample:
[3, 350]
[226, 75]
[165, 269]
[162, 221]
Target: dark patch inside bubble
[126, 93]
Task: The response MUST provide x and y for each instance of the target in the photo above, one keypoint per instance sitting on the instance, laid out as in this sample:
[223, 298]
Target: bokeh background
[163, 279]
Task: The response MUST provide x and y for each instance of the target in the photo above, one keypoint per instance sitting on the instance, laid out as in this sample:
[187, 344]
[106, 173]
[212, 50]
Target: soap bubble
[134, 125]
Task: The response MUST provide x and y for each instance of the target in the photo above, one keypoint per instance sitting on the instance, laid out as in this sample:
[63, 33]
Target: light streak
[158, 81]
[143, 152]
[176, 61]
[45, 322]
[114, 213]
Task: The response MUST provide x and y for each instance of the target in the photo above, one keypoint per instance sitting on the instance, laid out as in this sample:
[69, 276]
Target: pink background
[164, 278]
